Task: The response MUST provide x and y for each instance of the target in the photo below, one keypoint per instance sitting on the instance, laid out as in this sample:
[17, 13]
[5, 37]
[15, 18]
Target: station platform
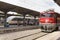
[16, 28]
[51, 36]
[21, 35]
[34, 34]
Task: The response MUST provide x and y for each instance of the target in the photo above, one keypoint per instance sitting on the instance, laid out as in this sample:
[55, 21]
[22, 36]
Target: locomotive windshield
[47, 15]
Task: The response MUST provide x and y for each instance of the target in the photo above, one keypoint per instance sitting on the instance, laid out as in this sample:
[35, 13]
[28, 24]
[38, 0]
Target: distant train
[49, 21]
[19, 20]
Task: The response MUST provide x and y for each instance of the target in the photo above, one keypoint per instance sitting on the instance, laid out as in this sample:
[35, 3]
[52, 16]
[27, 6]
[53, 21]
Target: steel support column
[24, 19]
[34, 20]
[5, 19]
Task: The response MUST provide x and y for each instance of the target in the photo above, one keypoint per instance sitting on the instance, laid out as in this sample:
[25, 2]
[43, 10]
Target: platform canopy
[6, 7]
[58, 2]
[36, 5]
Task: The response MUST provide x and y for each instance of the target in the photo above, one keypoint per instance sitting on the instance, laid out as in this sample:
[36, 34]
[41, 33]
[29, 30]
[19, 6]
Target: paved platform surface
[34, 34]
[20, 34]
[16, 28]
[52, 36]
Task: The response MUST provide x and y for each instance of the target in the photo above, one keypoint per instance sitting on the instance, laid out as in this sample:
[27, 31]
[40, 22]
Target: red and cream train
[49, 21]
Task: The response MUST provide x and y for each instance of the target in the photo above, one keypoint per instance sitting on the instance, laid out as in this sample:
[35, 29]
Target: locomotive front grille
[47, 26]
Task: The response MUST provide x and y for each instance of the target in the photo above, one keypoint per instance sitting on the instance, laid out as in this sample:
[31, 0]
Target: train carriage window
[15, 19]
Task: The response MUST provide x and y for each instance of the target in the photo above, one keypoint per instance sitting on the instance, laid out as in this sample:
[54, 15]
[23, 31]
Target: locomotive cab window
[47, 15]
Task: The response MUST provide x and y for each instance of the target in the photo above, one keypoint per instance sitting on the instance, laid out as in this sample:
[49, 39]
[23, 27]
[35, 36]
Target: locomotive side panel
[58, 19]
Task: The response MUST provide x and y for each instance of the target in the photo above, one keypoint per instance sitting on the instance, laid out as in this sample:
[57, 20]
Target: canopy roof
[5, 7]
[57, 1]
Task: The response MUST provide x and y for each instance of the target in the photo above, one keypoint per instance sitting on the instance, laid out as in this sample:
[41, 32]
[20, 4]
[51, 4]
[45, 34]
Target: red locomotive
[49, 21]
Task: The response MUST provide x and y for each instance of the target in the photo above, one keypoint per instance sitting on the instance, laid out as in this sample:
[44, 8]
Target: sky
[37, 5]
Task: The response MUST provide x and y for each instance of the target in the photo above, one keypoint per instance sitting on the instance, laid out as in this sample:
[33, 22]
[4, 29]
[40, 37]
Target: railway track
[32, 36]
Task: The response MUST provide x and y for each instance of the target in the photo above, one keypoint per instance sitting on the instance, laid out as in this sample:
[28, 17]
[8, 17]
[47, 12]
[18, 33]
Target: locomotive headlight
[47, 20]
